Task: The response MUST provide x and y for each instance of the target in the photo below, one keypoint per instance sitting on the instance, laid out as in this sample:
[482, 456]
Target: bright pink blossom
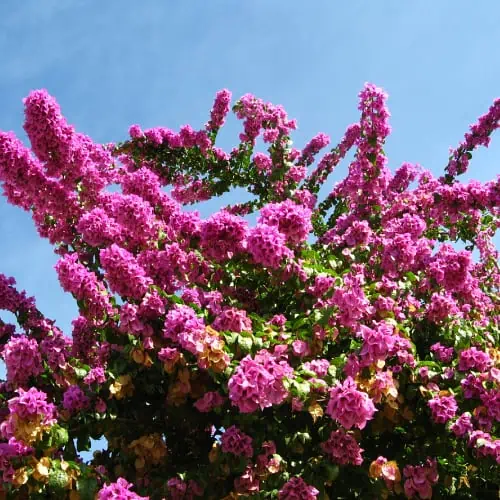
[220, 109]
[236, 442]
[297, 489]
[292, 220]
[266, 245]
[124, 274]
[349, 406]
[22, 358]
[474, 359]
[342, 448]
[258, 383]
[120, 490]
[420, 479]
[443, 408]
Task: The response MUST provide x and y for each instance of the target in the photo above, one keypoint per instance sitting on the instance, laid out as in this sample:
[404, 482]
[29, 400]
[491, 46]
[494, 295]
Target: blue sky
[111, 64]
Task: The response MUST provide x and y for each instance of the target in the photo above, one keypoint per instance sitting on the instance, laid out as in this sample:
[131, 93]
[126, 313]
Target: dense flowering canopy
[343, 348]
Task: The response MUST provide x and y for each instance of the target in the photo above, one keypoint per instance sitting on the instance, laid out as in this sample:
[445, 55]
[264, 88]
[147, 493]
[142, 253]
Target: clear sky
[158, 62]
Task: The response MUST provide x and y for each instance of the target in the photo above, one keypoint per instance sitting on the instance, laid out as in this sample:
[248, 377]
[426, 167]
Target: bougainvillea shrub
[337, 348]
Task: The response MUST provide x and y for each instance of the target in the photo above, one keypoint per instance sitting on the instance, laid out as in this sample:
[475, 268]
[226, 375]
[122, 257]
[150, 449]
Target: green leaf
[69, 449]
[230, 337]
[429, 363]
[301, 389]
[57, 482]
[332, 371]
[245, 343]
[331, 472]
[59, 436]
[258, 343]
[80, 372]
[83, 443]
[306, 372]
[87, 488]
[411, 276]
[302, 437]
[300, 322]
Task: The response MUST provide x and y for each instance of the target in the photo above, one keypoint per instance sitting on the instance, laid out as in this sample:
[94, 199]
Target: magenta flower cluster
[220, 109]
[120, 490]
[258, 382]
[419, 479]
[297, 489]
[474, 359]
[342, 448]
[292, 220]
[236, 442]
[268, 347]
[443, 408]
[22, 359]
[223, 235]
[378, 344]
[74, 399]
[349, 406]
[266, 245]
